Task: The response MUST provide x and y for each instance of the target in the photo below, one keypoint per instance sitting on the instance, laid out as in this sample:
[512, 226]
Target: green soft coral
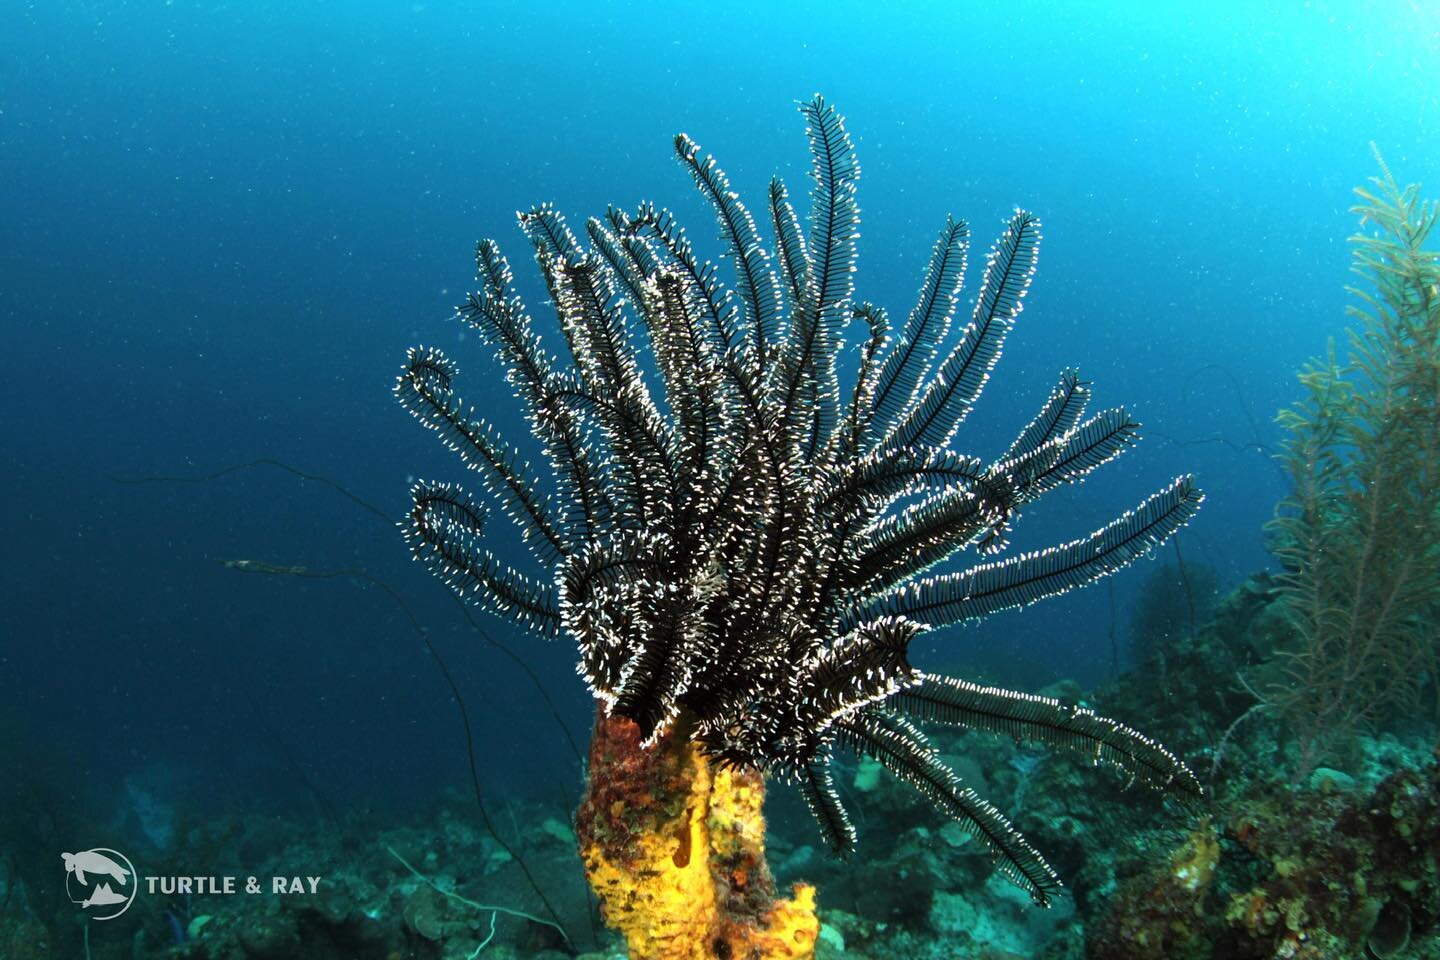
[1359, 534]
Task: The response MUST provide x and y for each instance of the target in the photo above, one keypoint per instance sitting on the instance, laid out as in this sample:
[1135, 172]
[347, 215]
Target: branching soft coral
[1359, 534]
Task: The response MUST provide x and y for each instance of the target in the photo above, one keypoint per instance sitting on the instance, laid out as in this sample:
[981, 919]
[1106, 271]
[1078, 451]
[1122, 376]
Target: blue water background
[221, 224]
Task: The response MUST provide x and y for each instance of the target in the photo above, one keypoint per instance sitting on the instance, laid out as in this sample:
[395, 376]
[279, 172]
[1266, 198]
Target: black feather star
[728, 538]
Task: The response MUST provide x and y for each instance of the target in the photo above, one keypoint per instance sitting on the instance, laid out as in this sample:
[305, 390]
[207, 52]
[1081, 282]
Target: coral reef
[1289, 859]
[1314, 872]
[1339, 864]
[432, 890]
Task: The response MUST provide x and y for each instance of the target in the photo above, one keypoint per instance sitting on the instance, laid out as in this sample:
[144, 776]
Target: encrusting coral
[740, 548]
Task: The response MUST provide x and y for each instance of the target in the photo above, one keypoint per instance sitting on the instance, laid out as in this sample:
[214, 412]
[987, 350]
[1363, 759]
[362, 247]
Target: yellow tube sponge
[675, 851]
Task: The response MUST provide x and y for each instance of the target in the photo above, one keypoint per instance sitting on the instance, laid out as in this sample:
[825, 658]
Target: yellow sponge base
[675, 850]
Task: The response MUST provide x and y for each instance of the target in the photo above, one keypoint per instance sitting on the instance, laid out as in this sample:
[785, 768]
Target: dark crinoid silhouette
[739, 541]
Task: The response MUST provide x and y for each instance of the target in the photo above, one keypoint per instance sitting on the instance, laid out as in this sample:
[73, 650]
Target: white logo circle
[105, 877]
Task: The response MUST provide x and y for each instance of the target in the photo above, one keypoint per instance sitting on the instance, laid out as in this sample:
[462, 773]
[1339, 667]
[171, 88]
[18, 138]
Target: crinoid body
[740, 543]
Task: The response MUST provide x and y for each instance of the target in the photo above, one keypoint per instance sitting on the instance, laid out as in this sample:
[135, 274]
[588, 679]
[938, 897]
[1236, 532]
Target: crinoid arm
[903, 750]
[1045, 721]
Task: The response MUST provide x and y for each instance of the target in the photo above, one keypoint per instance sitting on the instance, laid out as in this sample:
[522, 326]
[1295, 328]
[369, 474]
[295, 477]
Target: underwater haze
[222, 225]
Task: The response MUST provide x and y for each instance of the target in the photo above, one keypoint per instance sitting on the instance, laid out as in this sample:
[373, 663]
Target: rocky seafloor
[1340, 864]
